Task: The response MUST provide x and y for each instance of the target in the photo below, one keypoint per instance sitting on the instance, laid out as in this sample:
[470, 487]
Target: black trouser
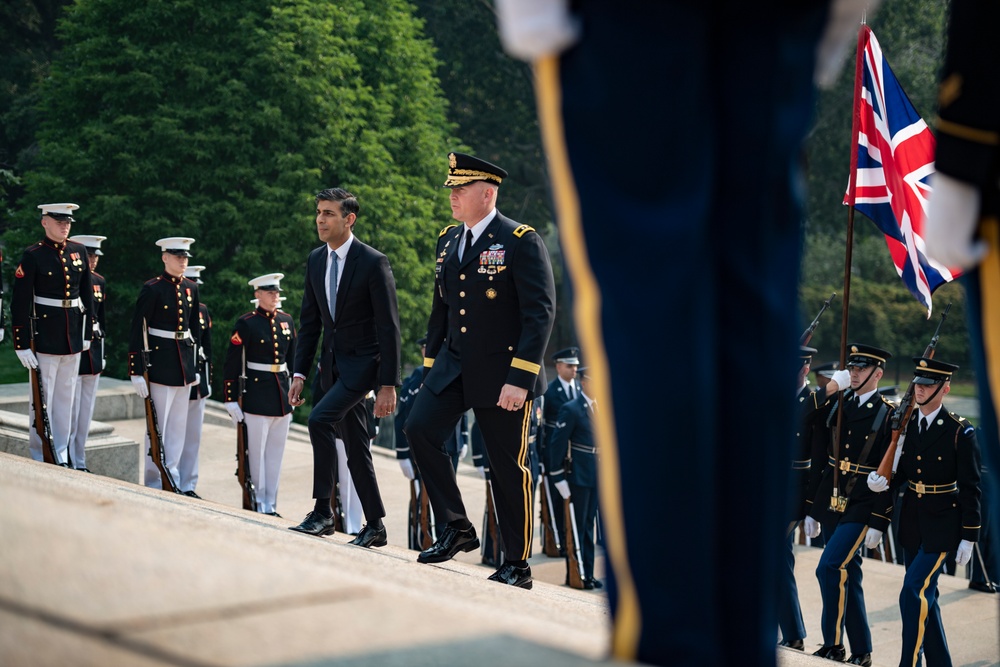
[505, 433]
[343, 413]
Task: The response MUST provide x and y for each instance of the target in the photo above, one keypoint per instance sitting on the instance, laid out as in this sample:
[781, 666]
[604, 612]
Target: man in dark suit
[573, 453]
[493, 308]
[844, 508]
[940, 512]
[349, 295]
[564, 387]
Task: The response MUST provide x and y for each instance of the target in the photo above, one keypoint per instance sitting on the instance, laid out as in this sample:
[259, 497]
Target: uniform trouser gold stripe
[924, 607]
[526, 486]
[587, 314]
[989, 292]
[842, 588]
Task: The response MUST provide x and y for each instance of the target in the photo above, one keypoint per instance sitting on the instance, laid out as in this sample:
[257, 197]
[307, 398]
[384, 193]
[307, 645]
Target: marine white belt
[175, 335]
[267, 368]
[59, 303]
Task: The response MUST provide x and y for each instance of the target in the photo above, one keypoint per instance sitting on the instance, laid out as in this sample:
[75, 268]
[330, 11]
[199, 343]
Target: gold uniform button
[461, 294]
[461, 276]
[462, 311]
[919, 471]
[463, 329]
[510, 348]
[918, 457]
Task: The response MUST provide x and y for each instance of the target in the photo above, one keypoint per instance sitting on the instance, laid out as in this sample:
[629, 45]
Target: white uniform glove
[197, 378]
[952, 218]
[1, 333]
[812, 528]
[877, 482]
[406, 465]
[234, 410]
[481, 471]
[27, 358]
[842, 379]
[873, 537]
[841, 26]
[461, 454]
[563, 488]
[530, 29]
[964, 553]
[139, 384]
[86, 345]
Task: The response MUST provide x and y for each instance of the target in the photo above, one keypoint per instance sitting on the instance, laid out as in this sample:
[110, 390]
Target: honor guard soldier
[940, 512]
[844, 508]
[92, 361]
[52, 305]
[199, 395]
[491, 316]
[564, 387]
[260, 346]
[572, 452]
[166, 324]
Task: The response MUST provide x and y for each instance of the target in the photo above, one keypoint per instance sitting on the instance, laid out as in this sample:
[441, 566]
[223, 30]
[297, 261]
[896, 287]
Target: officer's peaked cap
[62, 211]
[464, 169]
[863, 356]
[270, 282]
[571, 355]
[176, 245]
[194, 273]
[931, 371]
[91, 243]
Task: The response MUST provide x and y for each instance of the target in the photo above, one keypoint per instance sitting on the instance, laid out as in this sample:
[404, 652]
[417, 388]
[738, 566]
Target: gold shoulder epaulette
[522, 230]
[445, 230]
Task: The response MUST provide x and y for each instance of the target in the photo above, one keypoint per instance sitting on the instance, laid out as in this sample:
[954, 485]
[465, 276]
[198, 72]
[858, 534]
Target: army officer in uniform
[940, 512]
[259, 347]
[166, 320]
[492, 313]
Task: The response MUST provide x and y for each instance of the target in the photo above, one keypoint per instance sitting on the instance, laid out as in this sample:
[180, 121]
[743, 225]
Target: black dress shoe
[274, 514]
[452, 541]
[63, 465]
[864, 659]
[835, 652]
[370, 537]
[594, 583]
[793, 643]
[982, 586]
[512, 575]
[84, 470]
[315, 524]
[192, 494]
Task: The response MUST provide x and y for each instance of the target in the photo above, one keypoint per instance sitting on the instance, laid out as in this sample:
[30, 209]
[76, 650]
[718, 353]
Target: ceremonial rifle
[808, 333]
[152, 423]
[574, 563]
[492, 531]
[243, 447]
[550, 543]
[426, 537]
[901, 417]
[42, 427]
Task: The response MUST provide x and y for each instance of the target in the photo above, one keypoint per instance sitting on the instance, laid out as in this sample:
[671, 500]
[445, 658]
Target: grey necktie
[334, 262]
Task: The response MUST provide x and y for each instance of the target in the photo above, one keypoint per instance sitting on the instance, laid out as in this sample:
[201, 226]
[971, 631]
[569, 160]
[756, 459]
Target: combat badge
[491, 293]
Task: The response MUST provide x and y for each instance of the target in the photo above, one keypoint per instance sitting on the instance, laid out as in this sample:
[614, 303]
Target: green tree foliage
[220, 121]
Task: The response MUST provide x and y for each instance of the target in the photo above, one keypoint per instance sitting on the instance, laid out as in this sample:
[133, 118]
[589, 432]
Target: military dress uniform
[839, 568]
[263, 341]
[491, 317]
[53, 286]
[939, 469]
[556, 395]
[573, 456]
[198, 397]
[92, 363]
[166, 318]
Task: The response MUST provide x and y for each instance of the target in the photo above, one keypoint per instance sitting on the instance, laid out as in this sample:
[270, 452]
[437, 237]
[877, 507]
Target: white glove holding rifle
[406, 465]
[842, 379]
[27, 359]
[139, 385]
[235, 412]
[877, 482]
[563, 488]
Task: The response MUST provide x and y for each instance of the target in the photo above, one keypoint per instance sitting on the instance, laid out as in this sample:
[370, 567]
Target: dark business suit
[490, 322]
[360, 353]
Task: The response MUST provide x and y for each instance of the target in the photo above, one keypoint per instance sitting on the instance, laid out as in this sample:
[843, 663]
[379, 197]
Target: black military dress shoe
[594, 583]
[192, 494]
[315, 524]
[982, 586]
[864, 659]
[274, 514]
[452, 541]
[84, 470]
[512, 575]
[835, 652]
[370, 537]
[793, 643]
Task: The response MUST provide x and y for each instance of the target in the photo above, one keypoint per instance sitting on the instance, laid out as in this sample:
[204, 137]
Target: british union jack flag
[895, 161]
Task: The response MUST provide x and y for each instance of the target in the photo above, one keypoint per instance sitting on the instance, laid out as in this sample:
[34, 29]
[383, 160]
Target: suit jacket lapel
[319, 278]
[350, 266]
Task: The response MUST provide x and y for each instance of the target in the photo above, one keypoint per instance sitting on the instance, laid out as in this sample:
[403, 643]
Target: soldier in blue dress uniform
[564, 387]
[940, 513]
[92, 360]
[166, 319]
[260, 346]
[572, 463]
[844, 508]
[53, 286]
[199, 395]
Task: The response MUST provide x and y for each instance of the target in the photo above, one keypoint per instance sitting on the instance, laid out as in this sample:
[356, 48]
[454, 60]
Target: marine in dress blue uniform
[572, 457]
[53, 287]
[92, 360]
[940, 513]
[199, 395]
[564, 387]
[166, 317]
[851, 515]
[260, 346]
[491, 316]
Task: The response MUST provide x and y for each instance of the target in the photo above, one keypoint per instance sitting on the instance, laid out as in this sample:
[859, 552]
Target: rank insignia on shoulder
[522, 230]
[445, 230]
[19, 273]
